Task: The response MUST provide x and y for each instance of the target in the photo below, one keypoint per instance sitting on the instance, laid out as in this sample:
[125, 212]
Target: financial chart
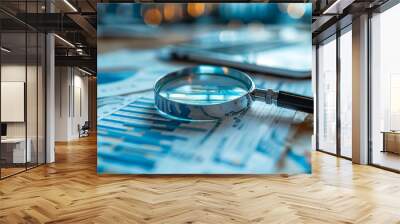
[133, 138]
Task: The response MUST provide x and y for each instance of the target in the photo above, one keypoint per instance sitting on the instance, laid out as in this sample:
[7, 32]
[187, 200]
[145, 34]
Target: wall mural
[140, 43]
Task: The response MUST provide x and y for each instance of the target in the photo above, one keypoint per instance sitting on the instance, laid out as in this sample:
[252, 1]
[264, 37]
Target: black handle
[295, 102]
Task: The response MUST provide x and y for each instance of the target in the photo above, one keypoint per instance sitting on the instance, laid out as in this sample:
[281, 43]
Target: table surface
[13, 140]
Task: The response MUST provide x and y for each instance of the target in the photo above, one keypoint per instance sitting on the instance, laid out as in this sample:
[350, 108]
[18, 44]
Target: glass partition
[32, 86]
[346, 93]
[13, 105]
[41, 109]
[327, 96]
[32, 98]
[22, 77]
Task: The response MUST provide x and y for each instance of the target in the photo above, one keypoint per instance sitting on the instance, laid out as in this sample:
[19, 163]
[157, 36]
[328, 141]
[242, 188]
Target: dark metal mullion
[26, 87]
[73, 92]
[45, 92]
[385, 168]
[317, 96]
[338, 74]
[338, 93]
[37, 91]
[60, 86]
[13, 174]
[369, 100]
[385, 6]
[0, 95]
[333, 154]
[69, 94]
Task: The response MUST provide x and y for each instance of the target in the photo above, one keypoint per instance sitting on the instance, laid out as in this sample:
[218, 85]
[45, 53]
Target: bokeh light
[169, 12]
[195, 9]
[296, 11]
[153, 17]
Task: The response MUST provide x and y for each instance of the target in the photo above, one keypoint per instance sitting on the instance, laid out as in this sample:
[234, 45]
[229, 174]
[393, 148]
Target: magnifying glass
[206, 93]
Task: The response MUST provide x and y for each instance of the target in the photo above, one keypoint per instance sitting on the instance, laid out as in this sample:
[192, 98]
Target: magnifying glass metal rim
[208, 112]
[211, 112]
[206, 69]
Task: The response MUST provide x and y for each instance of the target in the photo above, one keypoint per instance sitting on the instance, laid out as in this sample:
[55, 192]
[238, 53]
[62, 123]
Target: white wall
[79, 115]
[12, 73]
[71, 87]
[33, 126]
[13, 101]
[62, 82]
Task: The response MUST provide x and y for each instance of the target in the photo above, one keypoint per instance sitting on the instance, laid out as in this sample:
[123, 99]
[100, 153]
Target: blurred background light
[152, 17]
[195, 9]
[169, 12]
[233, 15]
[296, 11]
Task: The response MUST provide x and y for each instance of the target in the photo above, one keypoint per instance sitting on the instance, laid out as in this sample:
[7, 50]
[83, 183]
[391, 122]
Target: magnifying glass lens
[208, 93]
[203, 89]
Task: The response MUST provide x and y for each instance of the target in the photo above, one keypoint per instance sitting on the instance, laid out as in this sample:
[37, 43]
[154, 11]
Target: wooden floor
[5, 172]
[387, 159]
[70, 191]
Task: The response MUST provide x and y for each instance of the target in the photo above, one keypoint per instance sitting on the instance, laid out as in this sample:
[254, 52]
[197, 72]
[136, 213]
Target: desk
[391, 141]
[13, 150]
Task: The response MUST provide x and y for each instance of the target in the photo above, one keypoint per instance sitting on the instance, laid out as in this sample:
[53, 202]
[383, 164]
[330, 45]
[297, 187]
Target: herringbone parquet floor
[70, 191]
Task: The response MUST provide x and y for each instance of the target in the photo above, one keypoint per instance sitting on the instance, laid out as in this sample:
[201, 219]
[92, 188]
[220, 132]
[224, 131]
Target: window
[385, 89]
[346, 93]
[327, 96]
